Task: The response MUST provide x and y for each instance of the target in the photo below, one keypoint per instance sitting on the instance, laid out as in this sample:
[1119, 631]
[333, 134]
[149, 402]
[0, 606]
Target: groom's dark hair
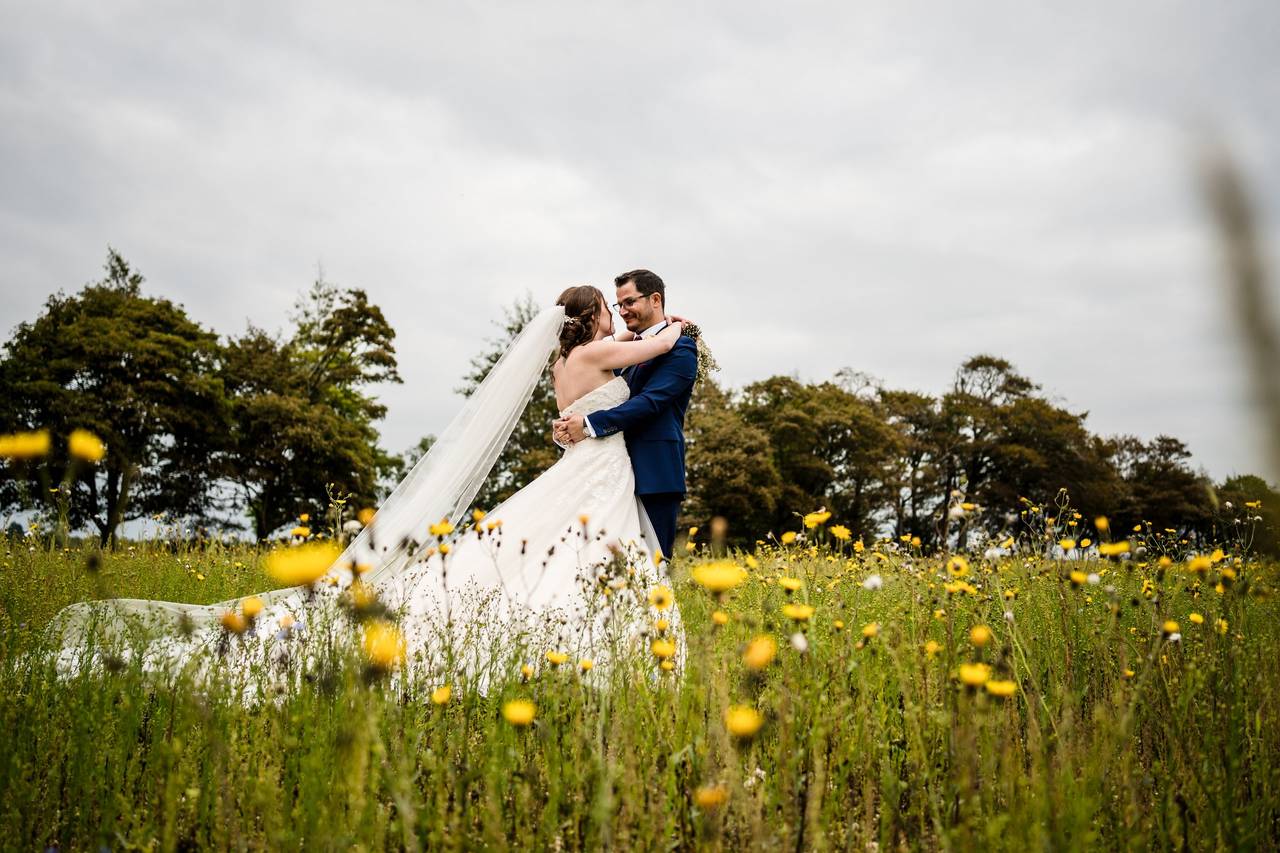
[646, 282]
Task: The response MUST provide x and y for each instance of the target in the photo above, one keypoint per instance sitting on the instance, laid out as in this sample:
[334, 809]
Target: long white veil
[441, 485]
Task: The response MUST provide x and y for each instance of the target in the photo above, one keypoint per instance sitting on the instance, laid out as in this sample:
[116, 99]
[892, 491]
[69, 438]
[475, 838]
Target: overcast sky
[889, 187]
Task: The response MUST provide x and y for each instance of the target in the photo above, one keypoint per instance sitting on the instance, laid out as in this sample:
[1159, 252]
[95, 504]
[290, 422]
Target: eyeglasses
[629, 301]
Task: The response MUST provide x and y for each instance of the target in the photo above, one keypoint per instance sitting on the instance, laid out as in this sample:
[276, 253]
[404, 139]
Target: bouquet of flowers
[706, 361]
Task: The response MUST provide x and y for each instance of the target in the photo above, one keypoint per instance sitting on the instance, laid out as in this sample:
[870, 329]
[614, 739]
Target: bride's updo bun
[581, 311]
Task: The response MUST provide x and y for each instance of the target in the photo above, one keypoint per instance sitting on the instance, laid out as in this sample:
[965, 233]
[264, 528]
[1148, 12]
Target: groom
[652, 421]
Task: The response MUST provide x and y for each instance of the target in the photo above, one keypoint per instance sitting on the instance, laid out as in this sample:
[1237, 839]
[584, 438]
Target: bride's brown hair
[581, 310]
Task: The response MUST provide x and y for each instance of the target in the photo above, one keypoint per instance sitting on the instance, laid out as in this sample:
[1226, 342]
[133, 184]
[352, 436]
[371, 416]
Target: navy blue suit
[652, 423]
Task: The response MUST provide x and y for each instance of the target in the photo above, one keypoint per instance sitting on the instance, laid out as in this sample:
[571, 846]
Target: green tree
[138, 373]
[1042, 448]
[1250, 514]
[830, 447]
[302, 412]
[916, 494]
[730, 467]
[1161, 487]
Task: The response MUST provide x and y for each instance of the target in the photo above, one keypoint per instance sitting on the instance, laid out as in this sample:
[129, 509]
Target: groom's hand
[571, 428]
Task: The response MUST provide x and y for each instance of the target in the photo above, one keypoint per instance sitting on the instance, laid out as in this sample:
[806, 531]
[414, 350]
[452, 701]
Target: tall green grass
[867, 740]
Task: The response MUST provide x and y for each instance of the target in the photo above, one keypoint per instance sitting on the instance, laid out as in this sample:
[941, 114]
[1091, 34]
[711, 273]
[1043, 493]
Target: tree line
[249, 431]
[891, 462]
[254, 430]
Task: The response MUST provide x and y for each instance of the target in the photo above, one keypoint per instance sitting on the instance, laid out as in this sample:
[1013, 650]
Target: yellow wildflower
[798, 612]
[742, 721]
[720, 576]
[980, 635]
[663, 649]
[1003, 689]
[251, 607]
[384, 645]
[1169, 627]
[303, 564]
[661, 597]
[932, 648]
[839, 531]
[1113, 549]
[760, 652]
[556, 658]
[300, 531]
[1196, 619]
[788, 537]
[85, 445]
[233, 622]
[443, 527]
[441, 695]
[1102, 524]
[957, 566]
[720, 617]
[25, 445]
[710, 797]
[974, 674]
[790, 584]
[814, 519]
[519, 712]
[871, 630]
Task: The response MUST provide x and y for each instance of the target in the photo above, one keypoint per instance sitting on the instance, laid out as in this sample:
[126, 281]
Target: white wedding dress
[564, 565]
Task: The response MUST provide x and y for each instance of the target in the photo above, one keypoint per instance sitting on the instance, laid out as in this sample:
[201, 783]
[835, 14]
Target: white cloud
[890, 186]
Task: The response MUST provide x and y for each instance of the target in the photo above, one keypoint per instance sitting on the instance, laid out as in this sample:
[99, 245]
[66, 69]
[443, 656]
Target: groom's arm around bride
[652, 421]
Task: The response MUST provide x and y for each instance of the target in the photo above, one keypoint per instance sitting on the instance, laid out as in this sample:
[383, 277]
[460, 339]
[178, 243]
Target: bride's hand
[676, 318]
[671, 334]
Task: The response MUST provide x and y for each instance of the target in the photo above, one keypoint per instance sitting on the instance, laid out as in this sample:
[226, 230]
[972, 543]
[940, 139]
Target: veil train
[441, 485]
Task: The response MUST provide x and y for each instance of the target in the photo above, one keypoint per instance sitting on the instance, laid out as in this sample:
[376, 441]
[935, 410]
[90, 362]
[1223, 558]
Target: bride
[563, 569]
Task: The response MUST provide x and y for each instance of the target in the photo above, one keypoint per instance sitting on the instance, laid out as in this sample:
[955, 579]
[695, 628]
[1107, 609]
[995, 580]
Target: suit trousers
[663, 509]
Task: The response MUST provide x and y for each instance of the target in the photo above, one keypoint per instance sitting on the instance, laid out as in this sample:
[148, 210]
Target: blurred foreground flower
[710, 797]
[83, 444]
[384, 645]
[441, 695]
[974, 674]
[663, 649]
[1003, 689]
[720, 576]
[798, 612]
[760, 652]
[303, 564]
[233, 622]
[25, 445]
[742, 721]
[519, 712]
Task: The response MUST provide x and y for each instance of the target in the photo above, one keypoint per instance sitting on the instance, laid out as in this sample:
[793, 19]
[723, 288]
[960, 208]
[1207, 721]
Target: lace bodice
[606, 396]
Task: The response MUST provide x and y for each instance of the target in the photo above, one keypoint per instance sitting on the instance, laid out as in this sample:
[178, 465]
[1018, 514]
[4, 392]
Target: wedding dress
[563, 566]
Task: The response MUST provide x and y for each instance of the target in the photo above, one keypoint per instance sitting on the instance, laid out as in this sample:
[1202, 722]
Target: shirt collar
[654, 329]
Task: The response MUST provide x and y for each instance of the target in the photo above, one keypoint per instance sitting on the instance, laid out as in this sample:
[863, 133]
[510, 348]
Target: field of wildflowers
[1055, 692]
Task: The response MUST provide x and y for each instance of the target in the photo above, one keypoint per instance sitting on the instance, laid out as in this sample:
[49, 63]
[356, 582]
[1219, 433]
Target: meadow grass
[1121, 731]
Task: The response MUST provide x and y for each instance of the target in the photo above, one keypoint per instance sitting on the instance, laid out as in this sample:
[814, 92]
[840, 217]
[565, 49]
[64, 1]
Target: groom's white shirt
[647, 333]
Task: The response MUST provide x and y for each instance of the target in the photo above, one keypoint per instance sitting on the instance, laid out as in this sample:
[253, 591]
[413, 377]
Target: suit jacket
[652, 421]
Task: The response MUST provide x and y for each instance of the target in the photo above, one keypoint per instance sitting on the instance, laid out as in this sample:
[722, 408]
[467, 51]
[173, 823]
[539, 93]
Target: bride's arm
[612, 355]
